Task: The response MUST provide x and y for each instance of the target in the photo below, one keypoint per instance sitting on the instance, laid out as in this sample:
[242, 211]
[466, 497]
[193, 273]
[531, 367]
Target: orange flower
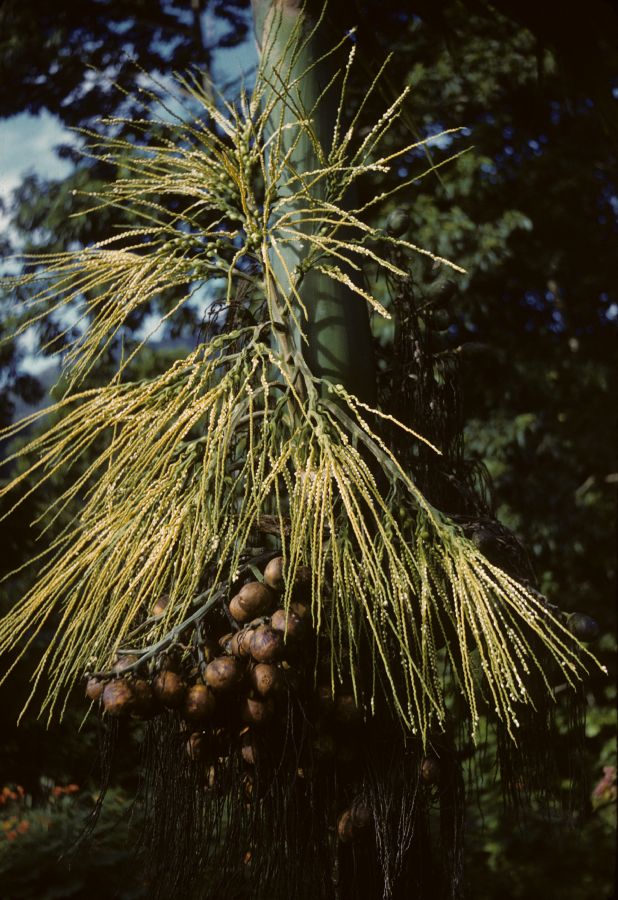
[23, 826]
[11, 835]
[72, 788]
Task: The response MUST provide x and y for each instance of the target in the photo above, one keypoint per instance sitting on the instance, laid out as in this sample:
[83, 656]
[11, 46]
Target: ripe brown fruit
[94, 689]
[240, 643]
[160, 605]
[237, 612]
[266, 644]
[224, 673]
[118, 698]
[248, 750]
[302, 577]
[257, 712]
[169, 689]
[255, 599]
[122, 663]
[224, 641]
[210, 649]
[430, 770]
[273, 574]
[345, 827]
[302, 610]
[266, 679]
[196, 746]
[199, 703]
[288, 623]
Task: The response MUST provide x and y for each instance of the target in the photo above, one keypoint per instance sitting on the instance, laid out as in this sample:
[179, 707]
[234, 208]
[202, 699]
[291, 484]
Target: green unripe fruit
[583, 627]
[398, 222]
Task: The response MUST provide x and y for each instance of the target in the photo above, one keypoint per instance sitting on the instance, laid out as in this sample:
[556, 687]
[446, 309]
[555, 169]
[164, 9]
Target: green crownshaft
[338, 346]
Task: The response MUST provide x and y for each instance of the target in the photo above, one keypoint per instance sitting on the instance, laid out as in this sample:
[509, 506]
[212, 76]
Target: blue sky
[27, 145]
[27, 142]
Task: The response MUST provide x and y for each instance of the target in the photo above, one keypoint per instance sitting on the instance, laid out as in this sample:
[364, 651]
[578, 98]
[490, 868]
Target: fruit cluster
[251, 659]
[240, 680]
[240, 693]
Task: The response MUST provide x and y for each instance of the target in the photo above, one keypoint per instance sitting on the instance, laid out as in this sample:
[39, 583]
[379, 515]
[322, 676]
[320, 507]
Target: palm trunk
[338, 346]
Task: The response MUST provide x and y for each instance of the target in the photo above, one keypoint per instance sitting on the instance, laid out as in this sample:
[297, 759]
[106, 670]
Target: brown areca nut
[248, 750]
[430, 770]
[224, 673]
[169, 689]
[199, 703]
[118, 697]
[255, 599]
[240, 643]
[289, 623]
[94, 689]
[257, 712]
[302, 610]
[237, 612]
[266, 644]
[160, 605]
[122, 663]
[224, 641]
[345, 827]
[273, 574]
[266, 679]
[196, 746]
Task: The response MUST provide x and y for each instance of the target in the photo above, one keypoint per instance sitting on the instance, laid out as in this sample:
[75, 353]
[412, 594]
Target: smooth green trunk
[339, 346]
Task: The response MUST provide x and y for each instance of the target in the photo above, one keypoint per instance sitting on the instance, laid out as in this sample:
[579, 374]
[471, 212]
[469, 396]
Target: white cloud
[27, 144]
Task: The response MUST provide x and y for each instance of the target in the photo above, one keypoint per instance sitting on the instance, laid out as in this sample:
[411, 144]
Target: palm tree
[258, 472]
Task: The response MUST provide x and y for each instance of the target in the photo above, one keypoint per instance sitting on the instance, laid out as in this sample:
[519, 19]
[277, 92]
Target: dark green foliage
[48, 55]
[35, 855]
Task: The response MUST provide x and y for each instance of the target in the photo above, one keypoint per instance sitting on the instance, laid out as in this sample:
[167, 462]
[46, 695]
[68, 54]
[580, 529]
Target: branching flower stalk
[250, 423]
